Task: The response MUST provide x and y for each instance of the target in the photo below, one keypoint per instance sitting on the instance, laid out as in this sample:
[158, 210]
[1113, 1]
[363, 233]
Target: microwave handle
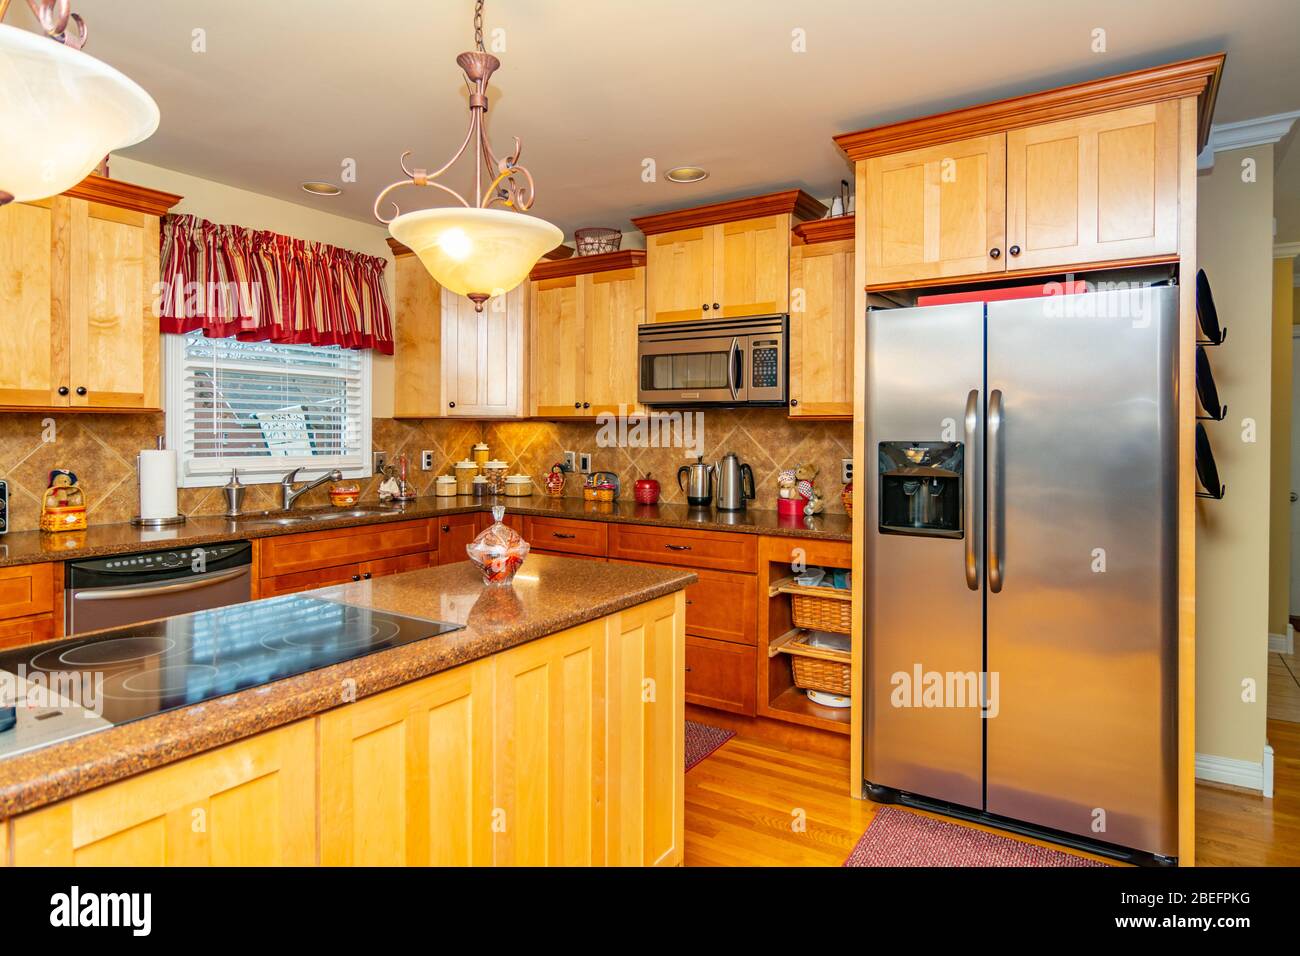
[731, 367]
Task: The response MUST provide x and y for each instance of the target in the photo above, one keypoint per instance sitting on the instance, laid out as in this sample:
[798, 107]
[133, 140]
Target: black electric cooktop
[85, 684]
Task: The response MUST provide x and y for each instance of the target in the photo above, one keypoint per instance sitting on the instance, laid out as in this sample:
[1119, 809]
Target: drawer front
[570, 537]
[563, 554]
[398, 564]
[307, 580]
[26, 590]
[454, 533]
[326, 549]
[719, 550]
[512, 520]
[26, 631]
[721, 675]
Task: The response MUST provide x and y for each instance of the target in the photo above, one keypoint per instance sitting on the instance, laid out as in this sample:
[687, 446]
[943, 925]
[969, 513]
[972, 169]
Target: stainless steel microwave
[718, 362]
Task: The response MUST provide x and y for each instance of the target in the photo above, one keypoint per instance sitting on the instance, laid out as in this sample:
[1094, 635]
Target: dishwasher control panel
[149, 566]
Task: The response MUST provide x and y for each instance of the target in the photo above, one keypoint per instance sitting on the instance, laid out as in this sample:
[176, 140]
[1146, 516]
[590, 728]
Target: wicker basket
[819, 668]
[594, 240]
[822, 613]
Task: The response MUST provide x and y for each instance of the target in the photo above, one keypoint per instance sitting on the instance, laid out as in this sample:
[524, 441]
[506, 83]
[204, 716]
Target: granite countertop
[33, 547]
[549, 594]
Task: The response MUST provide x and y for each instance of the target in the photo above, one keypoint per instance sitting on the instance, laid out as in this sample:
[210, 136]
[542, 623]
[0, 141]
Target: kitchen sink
[282, 519]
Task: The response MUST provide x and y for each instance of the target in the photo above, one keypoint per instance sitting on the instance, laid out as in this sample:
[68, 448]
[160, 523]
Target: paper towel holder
[139, 522]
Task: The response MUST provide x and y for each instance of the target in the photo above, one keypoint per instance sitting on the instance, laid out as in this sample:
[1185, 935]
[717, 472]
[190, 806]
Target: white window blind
[265, 408]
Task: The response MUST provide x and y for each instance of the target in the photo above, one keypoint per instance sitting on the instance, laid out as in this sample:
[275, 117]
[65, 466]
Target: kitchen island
[548, 729]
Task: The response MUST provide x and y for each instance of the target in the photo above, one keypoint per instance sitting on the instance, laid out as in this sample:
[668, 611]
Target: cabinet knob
[446, 528]
[451, 404]
[356, 577]
[586, 404]
[1014, 250]
[794, 402]
[81, 390]
[366, 575]
[716, 307]
[706, 307]
[577, 404]
[995, 253]
[63, 390]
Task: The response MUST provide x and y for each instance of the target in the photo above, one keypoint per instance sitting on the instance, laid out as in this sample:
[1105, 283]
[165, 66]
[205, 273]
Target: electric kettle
[735, 483]
[699, 482]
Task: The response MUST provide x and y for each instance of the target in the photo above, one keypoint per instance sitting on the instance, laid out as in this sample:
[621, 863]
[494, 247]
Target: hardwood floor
[742, 803]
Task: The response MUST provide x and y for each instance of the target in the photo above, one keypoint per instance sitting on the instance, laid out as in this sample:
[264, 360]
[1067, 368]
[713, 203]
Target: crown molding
[795, 202]
[1245, 133]
[123, 195]
[831, 229]
[586, 265]
[1285, 250]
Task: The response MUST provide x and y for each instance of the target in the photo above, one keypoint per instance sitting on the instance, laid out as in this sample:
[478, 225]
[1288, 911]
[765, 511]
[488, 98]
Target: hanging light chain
[478, 26]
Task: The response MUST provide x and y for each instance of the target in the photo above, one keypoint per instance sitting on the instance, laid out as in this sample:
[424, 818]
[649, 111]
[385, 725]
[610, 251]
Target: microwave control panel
[767, 372]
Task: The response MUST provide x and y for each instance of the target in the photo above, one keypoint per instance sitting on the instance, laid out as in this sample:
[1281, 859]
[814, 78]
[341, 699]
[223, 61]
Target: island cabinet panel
[550, 750]
[246, 804]
[645, 743]
[406, 776]
[937, 211]
[1093, 188]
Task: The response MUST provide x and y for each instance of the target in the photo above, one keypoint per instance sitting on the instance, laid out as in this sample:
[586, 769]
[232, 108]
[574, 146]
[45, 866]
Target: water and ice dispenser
[921, 488]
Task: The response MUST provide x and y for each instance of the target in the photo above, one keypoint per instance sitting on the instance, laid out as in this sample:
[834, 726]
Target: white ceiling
[287, 90]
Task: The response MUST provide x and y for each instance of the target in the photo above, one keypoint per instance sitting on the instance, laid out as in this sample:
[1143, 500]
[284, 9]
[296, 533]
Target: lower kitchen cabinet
[567, 535]
[27, 630]
[722, 675]
[27, 603]
[247, 804]
[406, 776]
[316, 559]
[454, 533]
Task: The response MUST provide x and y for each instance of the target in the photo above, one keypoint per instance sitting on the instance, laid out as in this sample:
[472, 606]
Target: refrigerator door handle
[968, 492]
[993, 513]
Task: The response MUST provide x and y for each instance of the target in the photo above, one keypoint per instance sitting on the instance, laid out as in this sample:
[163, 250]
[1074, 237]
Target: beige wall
[1279, 539]
[1235, 247]
[226, 204]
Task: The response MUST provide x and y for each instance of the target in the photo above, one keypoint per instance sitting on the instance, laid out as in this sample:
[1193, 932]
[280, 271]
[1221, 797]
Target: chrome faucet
[288, 496]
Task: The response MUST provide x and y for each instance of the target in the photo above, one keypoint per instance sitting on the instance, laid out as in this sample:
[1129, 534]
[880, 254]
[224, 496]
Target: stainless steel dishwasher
[130, 588]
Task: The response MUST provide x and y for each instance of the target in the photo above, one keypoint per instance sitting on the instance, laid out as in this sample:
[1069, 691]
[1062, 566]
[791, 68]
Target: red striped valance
[260, 286]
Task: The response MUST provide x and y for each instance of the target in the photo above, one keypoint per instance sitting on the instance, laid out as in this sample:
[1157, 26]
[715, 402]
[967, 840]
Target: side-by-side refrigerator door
[921, 491]
[1081, 565]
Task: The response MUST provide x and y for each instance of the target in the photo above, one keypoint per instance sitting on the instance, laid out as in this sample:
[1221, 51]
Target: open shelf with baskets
[804, 636]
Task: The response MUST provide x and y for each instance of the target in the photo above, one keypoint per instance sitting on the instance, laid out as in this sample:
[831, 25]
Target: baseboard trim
[1282, 643]
[1238, 773]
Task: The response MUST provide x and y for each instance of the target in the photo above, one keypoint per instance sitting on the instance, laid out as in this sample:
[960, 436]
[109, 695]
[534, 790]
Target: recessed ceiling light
[321, 189]
[687, 174]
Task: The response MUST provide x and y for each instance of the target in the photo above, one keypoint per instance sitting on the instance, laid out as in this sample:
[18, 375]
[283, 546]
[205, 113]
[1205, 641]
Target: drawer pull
[366, 575]
[678, 547]
[688, 668]
[562, 534]
[689, 602]
[356, 577]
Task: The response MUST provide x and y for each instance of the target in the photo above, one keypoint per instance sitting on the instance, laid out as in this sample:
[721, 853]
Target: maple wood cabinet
[821, 320]
[78, 278]
[582, 335]
[723, 260]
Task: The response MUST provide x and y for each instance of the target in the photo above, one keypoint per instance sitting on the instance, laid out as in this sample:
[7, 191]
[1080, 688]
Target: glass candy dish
[498, 551]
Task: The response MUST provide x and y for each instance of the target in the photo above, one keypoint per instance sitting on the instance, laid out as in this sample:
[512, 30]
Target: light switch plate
[584, 462]
[426, 461]
[381, 459]
[570, 461]
[846, 470]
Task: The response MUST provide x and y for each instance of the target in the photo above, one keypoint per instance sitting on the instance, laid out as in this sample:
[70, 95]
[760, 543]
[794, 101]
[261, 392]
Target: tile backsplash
[101, 449]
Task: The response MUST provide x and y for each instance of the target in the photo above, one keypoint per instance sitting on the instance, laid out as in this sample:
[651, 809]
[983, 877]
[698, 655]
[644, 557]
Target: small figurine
[815, 504]
[786, 484]
[555, 481]
[63, 506]
[806, 474]
[391, 486]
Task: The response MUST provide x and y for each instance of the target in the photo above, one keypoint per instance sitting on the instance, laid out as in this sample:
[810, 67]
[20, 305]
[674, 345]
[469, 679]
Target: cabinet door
[550, 753]
[406, 776]
[454, 533]
[31, 338]
[936, 212]
[246, 804]
[109, 285]
[679, 275]
[398, 564]
[26, 630]
[646, 729]
[557, 342]
[614, 306]
[417, 349]
[1094, 188]
[752, 266]
[308, 580]
[721, 675]
[483, 355]
[821, 329]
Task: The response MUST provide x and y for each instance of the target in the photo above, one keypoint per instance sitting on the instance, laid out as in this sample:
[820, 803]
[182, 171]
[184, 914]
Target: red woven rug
[898, 838]
[702, 740]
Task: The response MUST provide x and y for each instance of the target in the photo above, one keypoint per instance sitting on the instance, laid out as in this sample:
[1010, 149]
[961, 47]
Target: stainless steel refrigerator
[1021, 551]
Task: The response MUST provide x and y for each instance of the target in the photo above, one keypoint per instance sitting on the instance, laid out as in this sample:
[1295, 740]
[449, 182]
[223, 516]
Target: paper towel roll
[157, 484]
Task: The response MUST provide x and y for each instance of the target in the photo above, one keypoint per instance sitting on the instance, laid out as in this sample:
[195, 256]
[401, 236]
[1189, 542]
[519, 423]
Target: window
[265, 408]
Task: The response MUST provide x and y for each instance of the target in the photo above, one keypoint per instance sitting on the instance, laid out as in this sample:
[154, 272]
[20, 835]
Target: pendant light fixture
[473, 249]
[61, 110]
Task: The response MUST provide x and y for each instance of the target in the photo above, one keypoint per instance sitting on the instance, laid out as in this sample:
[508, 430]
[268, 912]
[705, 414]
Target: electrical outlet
[846, 470]
[381, 459]
[570, 461]
[584, 462]
[426, 461]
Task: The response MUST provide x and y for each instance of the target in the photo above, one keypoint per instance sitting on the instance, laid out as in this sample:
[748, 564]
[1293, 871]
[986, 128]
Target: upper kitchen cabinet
[484, 355]
[821, 319]
[937, 211]
[727, 259]
[417, 338]
[1094, 188]
[584, 316]
[78, 280]
[1078, 177]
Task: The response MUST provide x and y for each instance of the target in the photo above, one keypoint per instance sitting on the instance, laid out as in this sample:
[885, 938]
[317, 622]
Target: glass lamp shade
[61, 112]
[476, 251]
